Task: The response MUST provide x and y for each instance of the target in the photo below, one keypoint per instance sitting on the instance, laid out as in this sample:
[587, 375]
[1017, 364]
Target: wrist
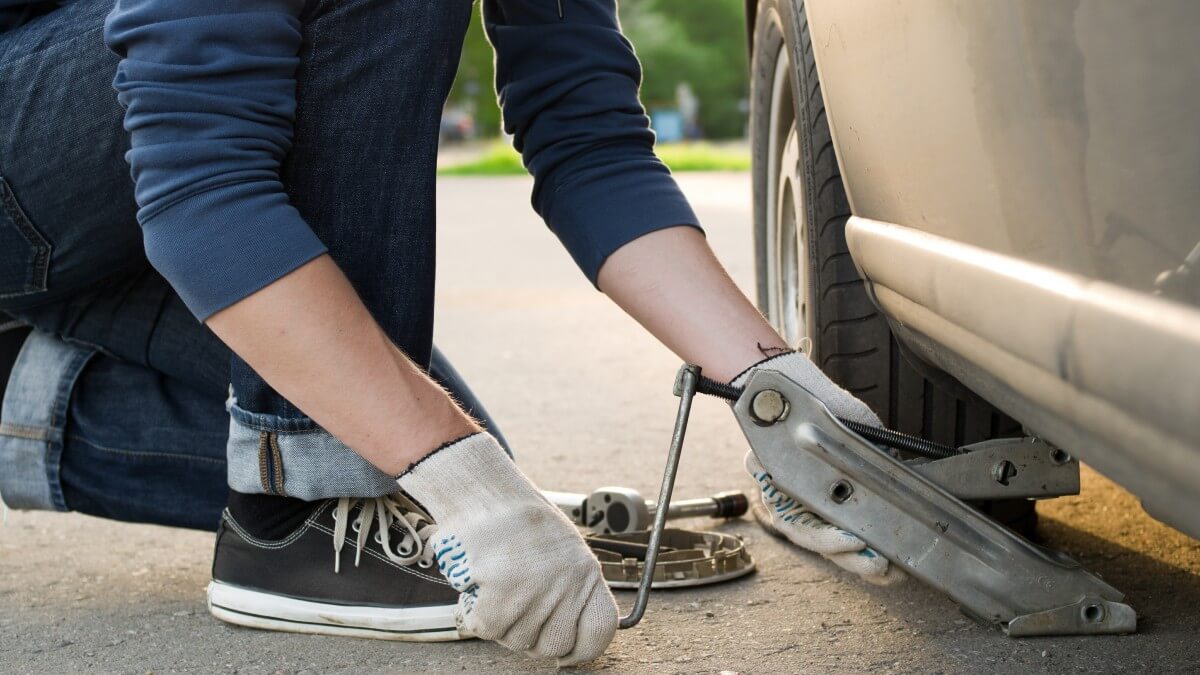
[764, 362]
[421, 443]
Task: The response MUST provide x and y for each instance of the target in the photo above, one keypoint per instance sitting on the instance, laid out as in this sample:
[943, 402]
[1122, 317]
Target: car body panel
[1062, 132]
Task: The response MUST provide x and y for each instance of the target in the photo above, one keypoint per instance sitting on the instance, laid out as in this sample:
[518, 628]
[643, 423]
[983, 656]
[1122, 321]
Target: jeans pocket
[24, 252]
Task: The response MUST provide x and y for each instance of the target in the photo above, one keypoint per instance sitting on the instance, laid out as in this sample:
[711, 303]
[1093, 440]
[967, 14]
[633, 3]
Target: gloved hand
[527, 579]
[788, 514]
[800, 369]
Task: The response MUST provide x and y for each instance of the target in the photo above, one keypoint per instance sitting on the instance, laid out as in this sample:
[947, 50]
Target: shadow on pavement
[1166, 596]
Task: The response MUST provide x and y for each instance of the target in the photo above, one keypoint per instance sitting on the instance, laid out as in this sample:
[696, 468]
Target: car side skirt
[1109, 374]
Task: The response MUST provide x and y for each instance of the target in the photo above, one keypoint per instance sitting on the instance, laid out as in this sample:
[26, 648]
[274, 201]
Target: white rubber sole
[256, 609]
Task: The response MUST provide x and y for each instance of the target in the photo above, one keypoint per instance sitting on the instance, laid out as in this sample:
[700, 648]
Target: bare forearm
[337, 365]
[671, 283]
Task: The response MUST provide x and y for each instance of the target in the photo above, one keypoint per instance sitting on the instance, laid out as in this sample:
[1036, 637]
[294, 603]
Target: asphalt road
[585, 397]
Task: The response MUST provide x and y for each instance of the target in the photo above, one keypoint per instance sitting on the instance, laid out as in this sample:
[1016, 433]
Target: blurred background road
[585, 398]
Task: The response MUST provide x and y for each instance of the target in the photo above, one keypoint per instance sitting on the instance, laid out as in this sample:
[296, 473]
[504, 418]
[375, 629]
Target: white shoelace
[389, 510]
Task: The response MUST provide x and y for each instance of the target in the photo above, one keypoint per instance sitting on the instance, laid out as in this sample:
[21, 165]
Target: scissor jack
[912, 512]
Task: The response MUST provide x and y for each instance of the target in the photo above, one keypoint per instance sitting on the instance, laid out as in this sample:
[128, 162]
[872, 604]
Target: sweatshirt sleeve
[209, 92]
[568, 87]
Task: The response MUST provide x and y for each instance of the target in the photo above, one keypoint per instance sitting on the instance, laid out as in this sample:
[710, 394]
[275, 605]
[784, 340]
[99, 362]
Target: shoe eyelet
[424, 564]
[378, 539]
[356, 525]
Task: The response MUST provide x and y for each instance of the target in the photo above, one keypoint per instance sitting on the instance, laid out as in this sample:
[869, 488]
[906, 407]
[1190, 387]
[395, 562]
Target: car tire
[807, 283]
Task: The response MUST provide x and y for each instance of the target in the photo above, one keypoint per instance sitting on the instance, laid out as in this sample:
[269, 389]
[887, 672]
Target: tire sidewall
[769, 35]
[780, 22]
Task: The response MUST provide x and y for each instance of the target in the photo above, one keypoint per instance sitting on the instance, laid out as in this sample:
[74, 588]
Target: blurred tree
[474, 88]
[700, 42]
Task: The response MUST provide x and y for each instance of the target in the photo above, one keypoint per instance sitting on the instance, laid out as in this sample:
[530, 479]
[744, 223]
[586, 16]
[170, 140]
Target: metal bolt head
[768, 407]
[1003, 470]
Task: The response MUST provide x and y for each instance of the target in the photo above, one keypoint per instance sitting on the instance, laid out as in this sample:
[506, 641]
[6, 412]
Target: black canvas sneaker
[381, 583]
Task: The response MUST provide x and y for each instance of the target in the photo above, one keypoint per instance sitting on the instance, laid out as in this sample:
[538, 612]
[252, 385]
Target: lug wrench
[618, 510]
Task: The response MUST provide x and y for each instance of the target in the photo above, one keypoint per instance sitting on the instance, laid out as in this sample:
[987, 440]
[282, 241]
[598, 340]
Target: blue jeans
[121, 404]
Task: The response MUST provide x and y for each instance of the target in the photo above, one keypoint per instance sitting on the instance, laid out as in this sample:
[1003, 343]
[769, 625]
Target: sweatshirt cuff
[620, 196]
[219, 246]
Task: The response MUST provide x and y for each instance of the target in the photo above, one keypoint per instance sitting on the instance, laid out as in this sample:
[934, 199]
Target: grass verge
[501, 160]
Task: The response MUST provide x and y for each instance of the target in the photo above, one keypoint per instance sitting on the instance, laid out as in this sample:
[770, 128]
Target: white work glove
[527, 579]
[801, 370]
[788, 514]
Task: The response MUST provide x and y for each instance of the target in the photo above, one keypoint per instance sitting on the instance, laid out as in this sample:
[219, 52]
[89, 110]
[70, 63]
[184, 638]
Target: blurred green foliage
[501, 160]
[700, 42]
[473, 85]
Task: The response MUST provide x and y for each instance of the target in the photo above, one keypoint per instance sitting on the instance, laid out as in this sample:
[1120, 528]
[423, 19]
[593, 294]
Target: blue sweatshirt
[209, 91]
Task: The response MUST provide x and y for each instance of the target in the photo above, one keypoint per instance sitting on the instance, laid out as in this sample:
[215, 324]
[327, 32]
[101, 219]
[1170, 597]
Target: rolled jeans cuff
[33, 421]
[295, 457]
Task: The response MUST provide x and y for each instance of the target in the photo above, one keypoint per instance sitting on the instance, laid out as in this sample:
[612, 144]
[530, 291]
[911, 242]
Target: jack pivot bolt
[1003, 471]
[768, 407]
